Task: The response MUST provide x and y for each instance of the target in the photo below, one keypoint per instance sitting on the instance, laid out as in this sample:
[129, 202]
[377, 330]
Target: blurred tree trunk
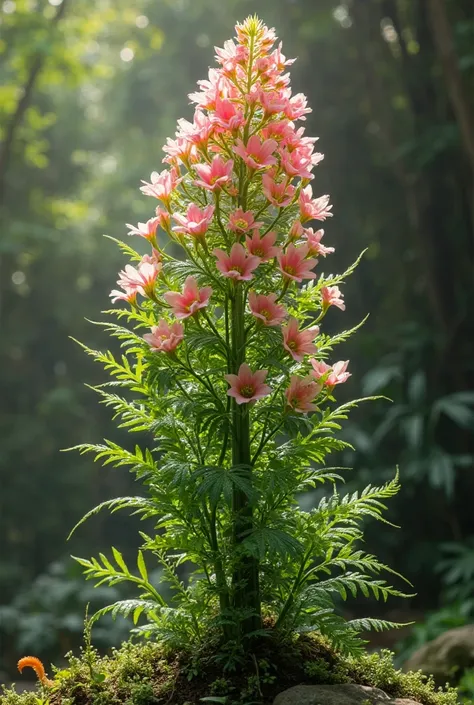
[26, 93]
[10, 129]
[444, 43]
[432, 188]
[373, 54]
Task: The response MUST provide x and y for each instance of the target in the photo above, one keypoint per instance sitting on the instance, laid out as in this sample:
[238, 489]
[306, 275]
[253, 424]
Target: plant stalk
[245, 583]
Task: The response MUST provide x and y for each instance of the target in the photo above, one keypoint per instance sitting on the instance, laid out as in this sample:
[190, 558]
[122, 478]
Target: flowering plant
[225, 368]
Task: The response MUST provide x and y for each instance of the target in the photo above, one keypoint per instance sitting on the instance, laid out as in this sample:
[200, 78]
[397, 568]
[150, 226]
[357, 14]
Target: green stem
[274, 221]
[225, 442]
[219, 219]
[213, 328]
[291, 596]
[229, 371]
[218, 566]
[201, 378]
[264, 442]
[246, 591]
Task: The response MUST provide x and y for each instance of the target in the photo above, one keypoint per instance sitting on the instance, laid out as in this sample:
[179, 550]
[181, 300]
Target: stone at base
[345, 694]
[447, 657]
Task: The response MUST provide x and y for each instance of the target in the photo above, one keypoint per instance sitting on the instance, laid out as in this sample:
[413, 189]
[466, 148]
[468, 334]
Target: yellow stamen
[247, 391]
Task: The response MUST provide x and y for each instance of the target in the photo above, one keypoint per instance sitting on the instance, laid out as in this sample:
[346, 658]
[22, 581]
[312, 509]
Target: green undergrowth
[144, 674]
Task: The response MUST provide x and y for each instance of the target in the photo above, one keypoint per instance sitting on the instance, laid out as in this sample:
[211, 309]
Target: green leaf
[119, 560]
[272, 541]
[141, 566]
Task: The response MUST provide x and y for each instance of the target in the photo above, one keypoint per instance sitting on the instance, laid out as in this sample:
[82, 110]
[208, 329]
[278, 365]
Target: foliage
[414, 420]
[140, 673]
[457, 573]
[466, 686]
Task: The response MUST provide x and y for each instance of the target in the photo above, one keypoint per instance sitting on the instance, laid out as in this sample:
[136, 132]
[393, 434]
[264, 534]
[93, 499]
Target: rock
[345, 694]
[446, 657]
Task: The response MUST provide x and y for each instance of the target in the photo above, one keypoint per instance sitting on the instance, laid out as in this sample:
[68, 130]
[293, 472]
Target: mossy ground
[144, 674]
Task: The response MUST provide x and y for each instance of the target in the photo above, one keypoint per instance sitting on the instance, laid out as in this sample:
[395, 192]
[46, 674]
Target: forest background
[89, 91]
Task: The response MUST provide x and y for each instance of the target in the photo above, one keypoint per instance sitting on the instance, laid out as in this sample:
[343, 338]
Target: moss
[13, 698]
[143, 674]
[378, 670]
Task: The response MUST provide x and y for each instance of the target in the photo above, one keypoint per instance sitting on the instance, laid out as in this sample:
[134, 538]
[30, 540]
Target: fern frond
[268, 542]
[126, 249]
[334, 279]
[327, 343]
[367, 624]
[104, 572]
[124, 334]
[353, 583]
[356, 506]
[134, 415]
[140, 462]
[125, 608]
[140, 505]
[143, 316]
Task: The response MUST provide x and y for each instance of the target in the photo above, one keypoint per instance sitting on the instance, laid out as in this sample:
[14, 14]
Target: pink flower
[148, 270]
[313, 240]
[262, 247]
[129, 294]
[296, 231]
[237, 265]
[281, 131]
[279, 194]
[294, 139]
[164, 219]
[297, 163]
[332, 296]
[142, 278]
[226, 115]
[146, 230]
[266, 309]
[265, 37]
[297, 108]
[317, 209]
[299, 343]
[280, 60]
[195, 222]
[231, 55]
[162, 185]
[215, 175]
[264, 64]
[273, 102]
[300, 394]
[129, 277]
[293, 264]
[211, 89]
[165, 337]
[256, 154]
[247, 386]
[180, 149]
[240, 221]
[197, 132]
[190, 301]
[336, 374]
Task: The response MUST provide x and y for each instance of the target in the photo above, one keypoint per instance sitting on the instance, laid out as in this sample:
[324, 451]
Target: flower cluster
[236, 197]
